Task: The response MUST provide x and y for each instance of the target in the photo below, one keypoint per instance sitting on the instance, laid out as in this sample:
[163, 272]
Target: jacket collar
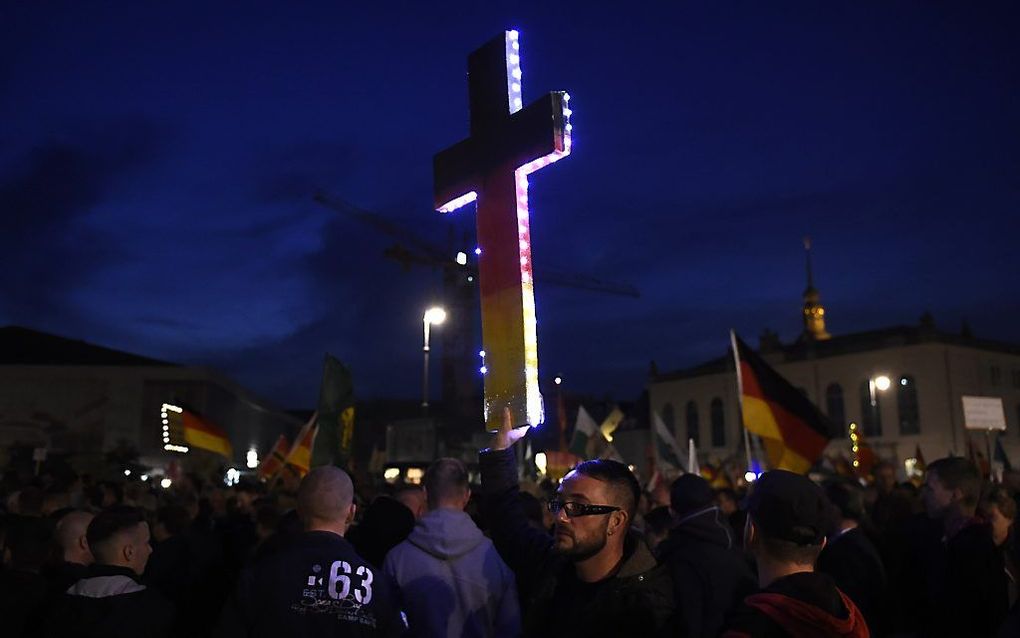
[637, 558]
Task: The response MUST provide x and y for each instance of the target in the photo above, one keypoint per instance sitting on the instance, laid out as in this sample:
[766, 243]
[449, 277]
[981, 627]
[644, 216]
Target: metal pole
[740, 399]
[988, 451]
[874, 408]
[425, 371]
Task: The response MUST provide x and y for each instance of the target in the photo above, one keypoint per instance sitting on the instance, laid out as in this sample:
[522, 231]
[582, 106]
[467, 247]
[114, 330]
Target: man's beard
[577, 551]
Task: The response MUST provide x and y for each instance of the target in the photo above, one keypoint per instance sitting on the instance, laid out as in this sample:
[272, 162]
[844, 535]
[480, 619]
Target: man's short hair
[847, 498]
[690, 493]
[70, 527]
[1001, 498]
[175, 519]
[621, 480]
[787, 552]
[446, 479]
[728, 493]
[108, 524]
[956, 472]
[326, 494]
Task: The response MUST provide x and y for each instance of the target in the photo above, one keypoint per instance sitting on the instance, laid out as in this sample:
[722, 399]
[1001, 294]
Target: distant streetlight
[877, 384]
[434, 316]
[558, 380]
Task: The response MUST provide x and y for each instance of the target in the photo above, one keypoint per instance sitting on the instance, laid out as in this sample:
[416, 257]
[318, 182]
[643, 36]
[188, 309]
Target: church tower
[814, 313]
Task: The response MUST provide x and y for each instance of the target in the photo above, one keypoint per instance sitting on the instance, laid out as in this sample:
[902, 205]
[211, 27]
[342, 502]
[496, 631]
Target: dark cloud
[48, 245]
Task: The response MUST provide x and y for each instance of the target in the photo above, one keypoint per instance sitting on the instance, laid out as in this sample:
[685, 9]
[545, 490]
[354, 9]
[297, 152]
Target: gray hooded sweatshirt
[452, 581]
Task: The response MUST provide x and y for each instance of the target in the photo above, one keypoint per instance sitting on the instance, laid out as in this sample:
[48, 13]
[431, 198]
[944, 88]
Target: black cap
[790, 507]
[690, 493]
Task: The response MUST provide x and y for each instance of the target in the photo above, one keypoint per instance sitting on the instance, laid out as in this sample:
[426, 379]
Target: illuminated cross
[507, 143]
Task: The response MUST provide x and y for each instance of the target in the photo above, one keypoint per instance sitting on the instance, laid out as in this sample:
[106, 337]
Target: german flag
[273, 462]
[202, 433]
[299, 459]
[793, 430]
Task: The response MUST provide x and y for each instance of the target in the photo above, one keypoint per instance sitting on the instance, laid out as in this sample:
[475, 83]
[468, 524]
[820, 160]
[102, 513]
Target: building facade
[83, 400]
[928, 371]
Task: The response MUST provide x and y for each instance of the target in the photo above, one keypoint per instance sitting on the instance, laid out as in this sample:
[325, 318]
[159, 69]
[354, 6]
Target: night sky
[157, 168]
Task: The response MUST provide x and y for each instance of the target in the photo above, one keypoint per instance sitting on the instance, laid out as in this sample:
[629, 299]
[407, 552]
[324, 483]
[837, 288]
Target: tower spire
[807, 254]
[813, 312]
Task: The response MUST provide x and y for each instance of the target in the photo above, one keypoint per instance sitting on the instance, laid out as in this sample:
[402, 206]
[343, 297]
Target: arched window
[718, 423]
[834, 405]
[871, 409]
[692, 422]
[669, 419]
[906, 402]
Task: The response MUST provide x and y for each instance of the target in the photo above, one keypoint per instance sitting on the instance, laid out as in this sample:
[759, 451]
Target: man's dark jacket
[801, 605]
[975, 592]
[710, 576]
[854, 563]
[317, 585]
[636, 601]
[109, 603]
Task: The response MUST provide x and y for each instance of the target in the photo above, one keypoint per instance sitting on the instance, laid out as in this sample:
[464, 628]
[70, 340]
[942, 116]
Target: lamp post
[434, 316]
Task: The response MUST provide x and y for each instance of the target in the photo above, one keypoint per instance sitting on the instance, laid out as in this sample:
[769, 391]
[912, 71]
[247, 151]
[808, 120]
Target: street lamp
[434, 316]
[880, 383]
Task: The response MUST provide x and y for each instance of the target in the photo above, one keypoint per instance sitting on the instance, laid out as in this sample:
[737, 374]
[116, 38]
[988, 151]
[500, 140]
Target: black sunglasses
[574, 509]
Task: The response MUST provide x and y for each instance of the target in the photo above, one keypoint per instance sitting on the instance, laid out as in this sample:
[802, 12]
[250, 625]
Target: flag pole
[740, 398]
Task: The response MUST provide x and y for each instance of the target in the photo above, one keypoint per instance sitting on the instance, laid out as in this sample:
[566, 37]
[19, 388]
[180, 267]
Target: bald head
[326, 499]
[70, 537]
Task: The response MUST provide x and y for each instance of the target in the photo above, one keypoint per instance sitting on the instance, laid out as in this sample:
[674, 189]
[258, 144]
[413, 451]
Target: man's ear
[128, 552]
[83, 543]
[351, 512]
[617, 522]
[750, 532]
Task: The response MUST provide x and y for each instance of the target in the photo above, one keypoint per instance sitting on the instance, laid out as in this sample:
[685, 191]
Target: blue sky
[157, 165]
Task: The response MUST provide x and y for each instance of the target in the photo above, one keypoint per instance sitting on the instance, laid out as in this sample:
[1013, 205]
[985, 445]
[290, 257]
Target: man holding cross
[593, 576]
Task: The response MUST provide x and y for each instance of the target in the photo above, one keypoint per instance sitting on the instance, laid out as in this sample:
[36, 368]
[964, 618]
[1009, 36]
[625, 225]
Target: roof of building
[24, 346]
[838, 345]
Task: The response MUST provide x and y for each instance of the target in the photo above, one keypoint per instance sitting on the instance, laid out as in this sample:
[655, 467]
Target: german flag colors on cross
[793, 430]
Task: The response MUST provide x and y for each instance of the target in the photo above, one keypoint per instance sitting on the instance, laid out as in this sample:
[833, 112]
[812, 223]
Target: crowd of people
[595, 555]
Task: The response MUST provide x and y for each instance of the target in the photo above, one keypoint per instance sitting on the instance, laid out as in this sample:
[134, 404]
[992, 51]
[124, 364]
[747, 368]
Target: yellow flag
[611, 423]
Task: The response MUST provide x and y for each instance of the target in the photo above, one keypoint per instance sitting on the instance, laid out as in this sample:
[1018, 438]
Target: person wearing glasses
[592, 576]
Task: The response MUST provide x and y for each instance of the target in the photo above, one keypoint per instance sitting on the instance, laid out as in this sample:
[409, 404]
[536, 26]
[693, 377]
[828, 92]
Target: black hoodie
[315, 586]
[710, 576]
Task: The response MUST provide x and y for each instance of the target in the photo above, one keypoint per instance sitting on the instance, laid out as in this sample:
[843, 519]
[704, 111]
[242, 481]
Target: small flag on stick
[273, 462]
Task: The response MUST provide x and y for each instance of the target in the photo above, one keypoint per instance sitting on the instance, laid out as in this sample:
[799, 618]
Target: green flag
[336, 415]
[585, 431]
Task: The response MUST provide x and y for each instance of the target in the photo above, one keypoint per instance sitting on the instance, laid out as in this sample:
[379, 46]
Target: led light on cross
[507, 143]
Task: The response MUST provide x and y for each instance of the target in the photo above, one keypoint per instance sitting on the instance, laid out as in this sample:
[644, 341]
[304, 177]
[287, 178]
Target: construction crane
[413, 250]
[461, 384]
